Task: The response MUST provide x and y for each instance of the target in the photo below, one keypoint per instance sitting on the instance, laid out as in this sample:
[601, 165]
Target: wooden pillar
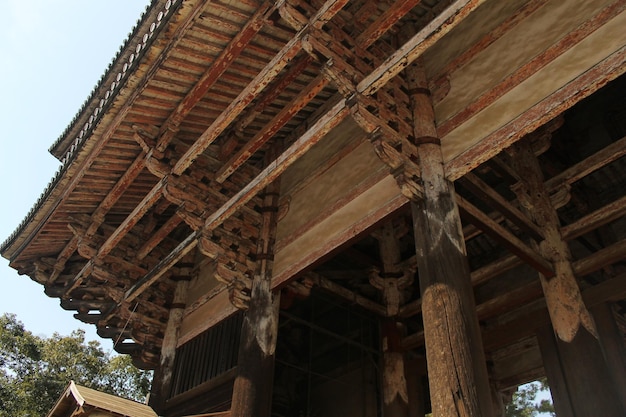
[252, 391]
[395, 394]
[459, 384]
[565, 304]
[554, 372]
[162, 381]
[586, 377]
[613, 347]
[578, 376]
[391, 281]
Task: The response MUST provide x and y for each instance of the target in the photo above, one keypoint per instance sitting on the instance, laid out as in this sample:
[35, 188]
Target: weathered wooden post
[573, 360]
[391, 280]
[252, 391]
[162, 381]
[459, 384]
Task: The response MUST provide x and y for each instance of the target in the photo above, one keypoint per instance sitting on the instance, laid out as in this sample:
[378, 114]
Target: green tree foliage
[34, 371]
[525, 403]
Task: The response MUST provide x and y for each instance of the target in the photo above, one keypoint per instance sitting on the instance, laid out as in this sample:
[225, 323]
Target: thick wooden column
[578, 376]
[555, 372]
[162, 381]
[613, 348]
[252, 391]
[459, 384]
[574, 360]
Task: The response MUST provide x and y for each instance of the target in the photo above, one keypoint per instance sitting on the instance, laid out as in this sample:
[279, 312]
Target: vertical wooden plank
[252, 391]
[459, 384]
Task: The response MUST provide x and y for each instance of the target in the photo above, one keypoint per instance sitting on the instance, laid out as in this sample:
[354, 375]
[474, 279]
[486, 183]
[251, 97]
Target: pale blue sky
[52, 53]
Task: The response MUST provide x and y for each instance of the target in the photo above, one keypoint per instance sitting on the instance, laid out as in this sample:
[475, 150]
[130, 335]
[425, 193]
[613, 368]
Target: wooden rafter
[271, 70]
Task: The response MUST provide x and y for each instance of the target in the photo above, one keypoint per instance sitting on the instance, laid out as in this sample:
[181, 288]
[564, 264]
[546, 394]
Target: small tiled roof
[78, 396]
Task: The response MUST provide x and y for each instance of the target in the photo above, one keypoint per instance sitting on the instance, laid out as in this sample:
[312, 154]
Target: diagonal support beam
[508, 239]
[480, 189]
[338, 112]
[420, 42]
[271, 70]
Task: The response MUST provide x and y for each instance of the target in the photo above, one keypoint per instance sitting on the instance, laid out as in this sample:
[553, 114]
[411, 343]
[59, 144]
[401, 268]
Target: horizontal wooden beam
[490, 196]
[312, 136]
[605, 156]
[538, 115]
[525, 325]
[347, 295]
[502, 235]
[161, 268]
[600, 259]
[595, 219]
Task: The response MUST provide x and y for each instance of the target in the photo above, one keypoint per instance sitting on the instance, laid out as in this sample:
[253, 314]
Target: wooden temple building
[351, 207]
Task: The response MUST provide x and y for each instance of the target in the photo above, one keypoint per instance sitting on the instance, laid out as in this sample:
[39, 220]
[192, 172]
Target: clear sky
[52, 54]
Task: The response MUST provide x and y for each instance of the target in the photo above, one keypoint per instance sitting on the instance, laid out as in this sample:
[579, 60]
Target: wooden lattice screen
[207, 356]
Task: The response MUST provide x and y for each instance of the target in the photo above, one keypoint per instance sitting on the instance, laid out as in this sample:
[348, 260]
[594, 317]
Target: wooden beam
[303, 98]
[344, 293]
[490, 196]
[592, 221]
[600, 259]
[538, 115]
[605, 156]
[226, 57]
[531, 67]
[508, 239]
[315, 133]
[414, 47]
[390, 17]
[487, 272]
[158, 236]
[271, 70]
[161, 268]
